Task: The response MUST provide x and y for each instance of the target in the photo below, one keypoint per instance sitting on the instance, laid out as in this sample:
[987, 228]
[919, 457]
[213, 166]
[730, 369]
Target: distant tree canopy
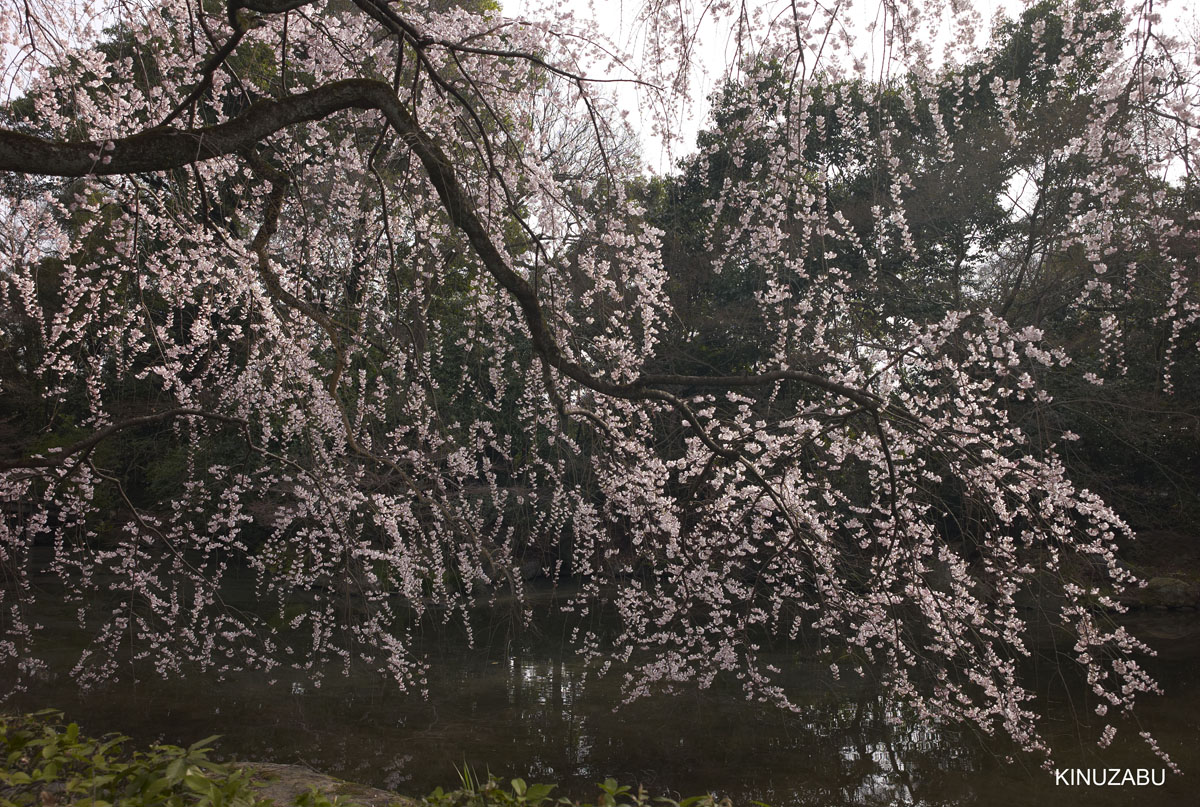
[367, 306]
[990, 205]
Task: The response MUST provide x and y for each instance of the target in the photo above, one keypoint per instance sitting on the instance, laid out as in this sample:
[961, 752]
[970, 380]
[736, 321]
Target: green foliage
[315, 798]
[491, 792]
[48, 763]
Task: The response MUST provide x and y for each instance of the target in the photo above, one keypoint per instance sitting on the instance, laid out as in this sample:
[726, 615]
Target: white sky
[616, 20]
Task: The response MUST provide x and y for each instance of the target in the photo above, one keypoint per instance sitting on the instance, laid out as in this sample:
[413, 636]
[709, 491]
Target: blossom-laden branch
[446, 350]
[89, 443]
[162, 149]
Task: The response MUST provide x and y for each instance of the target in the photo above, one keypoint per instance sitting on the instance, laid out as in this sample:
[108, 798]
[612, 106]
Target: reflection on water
[520, 707]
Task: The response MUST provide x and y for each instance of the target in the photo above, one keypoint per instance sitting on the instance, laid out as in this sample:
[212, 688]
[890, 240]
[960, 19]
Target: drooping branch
[209, 70]
[88, 443]
[271, 6]
[860, 397]
[165, 149]
[735, 515]
[274, 206]
[406, 29]
[462, 213]
[161, 150]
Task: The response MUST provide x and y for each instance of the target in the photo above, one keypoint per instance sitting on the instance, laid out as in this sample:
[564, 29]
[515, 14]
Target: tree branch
[165, 149]
[88, 443]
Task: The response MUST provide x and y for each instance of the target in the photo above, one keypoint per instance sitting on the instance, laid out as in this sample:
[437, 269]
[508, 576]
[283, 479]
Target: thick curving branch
[90, 442]
[164, 149]
[167, 148]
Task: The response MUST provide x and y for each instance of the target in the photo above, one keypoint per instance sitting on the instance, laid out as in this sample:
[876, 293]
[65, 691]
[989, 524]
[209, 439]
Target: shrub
[47, 763]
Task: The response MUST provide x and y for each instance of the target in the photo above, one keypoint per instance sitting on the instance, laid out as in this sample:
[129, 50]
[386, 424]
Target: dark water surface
[519, 706]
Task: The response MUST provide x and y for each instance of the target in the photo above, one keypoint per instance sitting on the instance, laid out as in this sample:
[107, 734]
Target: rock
[1169, 592]
[283, 783]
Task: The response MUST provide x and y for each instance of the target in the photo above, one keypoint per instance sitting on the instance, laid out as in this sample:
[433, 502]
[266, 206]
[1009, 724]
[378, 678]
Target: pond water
[518, 705]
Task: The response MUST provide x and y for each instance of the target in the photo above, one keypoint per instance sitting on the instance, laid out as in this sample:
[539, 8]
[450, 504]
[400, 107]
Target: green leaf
[115, 742]
[518, 786]
[198, 783]
[205, 744]
[538, 793]
[176, 770]
[155, 787]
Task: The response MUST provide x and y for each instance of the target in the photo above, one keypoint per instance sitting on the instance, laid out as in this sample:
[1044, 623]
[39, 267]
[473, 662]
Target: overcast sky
[617, 18]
